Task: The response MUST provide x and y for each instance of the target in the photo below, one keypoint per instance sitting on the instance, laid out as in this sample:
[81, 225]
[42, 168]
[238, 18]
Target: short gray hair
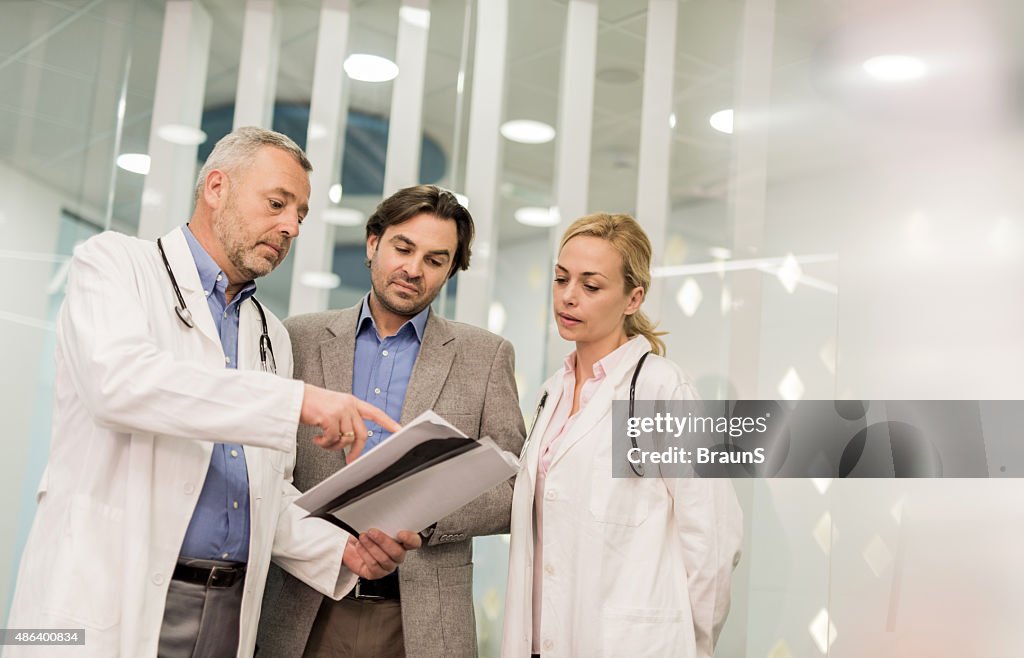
[239, 147]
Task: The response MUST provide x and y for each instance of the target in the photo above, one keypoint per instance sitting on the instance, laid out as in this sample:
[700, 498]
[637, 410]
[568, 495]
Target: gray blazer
[466, 375]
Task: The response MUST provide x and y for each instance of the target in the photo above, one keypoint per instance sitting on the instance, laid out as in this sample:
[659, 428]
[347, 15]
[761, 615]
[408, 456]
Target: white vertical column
[747, 193]
[483, 159]
[575, 125]
[257, 71]
[180, 84]
[653, 168]
[324, 140]
[405, 134]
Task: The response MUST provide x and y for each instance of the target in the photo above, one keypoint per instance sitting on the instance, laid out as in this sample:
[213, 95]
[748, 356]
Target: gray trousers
[201, 621]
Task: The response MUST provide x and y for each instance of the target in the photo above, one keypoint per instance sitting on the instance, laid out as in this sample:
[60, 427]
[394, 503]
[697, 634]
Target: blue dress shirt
[219, 529]
[382, 367]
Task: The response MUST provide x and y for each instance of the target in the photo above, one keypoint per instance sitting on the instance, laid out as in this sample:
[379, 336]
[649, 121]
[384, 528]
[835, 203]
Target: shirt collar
[209, 270]
[418, 321]
[603, 366]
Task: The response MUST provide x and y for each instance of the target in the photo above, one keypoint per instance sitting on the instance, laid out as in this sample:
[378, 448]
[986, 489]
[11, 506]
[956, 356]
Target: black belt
[210, 577]
[384, 589]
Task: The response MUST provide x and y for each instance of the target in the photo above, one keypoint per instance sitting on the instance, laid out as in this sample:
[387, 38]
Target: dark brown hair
[409, 202]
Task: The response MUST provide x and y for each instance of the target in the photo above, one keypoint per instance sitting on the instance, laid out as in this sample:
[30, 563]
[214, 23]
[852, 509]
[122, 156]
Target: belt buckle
[357, 593]
[221, 577]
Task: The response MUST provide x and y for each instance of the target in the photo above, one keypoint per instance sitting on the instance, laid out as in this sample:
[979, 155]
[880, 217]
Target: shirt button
[234, 504]
[548, 645]
[206, 292]
[384, 353]
[224, 556]
[220, 276]
[376, 391]
[189, 487]
[550, 495]
[370, 433]
[225, 314]
[227, 359]
[549, 570]
[158, 579]
[234, 453]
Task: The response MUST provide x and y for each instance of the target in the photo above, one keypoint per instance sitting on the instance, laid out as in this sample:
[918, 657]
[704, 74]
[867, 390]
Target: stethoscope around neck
[638, 469]
[267, 362]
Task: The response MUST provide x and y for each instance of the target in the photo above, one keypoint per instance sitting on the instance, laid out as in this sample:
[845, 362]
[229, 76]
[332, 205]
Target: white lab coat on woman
[632, 567]
[139, 402]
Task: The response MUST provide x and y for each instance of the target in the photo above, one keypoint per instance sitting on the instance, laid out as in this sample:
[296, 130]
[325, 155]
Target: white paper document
[416, 477]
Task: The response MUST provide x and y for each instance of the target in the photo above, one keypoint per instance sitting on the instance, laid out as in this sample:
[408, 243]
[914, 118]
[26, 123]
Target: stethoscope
[267, 362]
[638, 469]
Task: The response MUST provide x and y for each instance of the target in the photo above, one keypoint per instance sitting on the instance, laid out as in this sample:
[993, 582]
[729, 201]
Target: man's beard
[229, 227]
[393, 303]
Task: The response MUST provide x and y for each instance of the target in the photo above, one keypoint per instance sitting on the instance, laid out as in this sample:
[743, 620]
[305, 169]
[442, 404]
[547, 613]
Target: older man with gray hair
[168, 486]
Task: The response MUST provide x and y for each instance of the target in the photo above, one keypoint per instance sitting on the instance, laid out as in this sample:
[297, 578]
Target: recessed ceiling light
[895, 68]
[526, 131]
[370, 68]
[415, 16]
[343, 217]
[722, 121]
[137, 163]
[320, 280]
[334, 193]
[536, 216]
[176, 133]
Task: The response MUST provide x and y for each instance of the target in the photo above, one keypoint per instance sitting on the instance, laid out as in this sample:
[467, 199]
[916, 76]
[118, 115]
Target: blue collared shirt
[219, 529]
[382, 367]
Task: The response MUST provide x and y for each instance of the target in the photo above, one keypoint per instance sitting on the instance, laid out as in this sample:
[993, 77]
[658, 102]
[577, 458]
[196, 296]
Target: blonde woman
[601, 566]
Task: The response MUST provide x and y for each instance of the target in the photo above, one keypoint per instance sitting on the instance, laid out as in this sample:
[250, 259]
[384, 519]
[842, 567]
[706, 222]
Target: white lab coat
[632, 567]
[139, 402]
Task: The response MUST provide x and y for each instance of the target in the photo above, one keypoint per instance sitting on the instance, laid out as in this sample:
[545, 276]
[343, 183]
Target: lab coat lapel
[600, 405]
[433, 363]
[185, 273]
[338, 353]
[540, 427]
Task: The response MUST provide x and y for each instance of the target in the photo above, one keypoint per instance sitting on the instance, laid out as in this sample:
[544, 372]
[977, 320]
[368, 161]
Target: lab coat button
[189, 487]
[549, 570]
[548, 645]
[551, 495]
[158, 579]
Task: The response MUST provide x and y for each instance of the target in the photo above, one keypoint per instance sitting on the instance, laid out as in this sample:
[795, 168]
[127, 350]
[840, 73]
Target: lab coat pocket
[618, 501]
[88, 594]
[646, 632]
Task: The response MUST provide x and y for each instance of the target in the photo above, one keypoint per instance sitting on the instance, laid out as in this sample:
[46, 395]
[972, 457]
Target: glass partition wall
[829, 189]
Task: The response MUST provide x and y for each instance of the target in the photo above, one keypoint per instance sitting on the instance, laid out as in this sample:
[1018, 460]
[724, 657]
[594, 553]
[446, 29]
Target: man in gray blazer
[392, 351]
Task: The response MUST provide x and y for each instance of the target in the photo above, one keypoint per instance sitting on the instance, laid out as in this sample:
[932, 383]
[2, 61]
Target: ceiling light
[720, 253]
[791, 387]
[137, 163]
[537, 216]
[895, 68]
[343, 217]
[370, 68]
[526, 131]
[672, 120]
[415, 16]
[320, 280]
[176, 133]
[334, 193]
[722, 121]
